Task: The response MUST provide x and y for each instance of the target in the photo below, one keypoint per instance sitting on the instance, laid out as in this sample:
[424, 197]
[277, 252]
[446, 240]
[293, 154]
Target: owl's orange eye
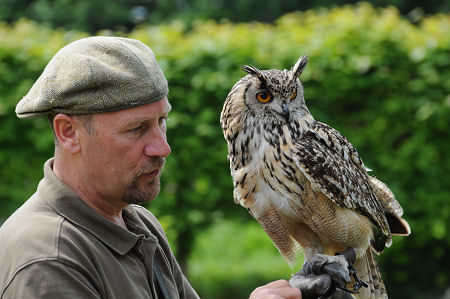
[264, 96]
[294, 95]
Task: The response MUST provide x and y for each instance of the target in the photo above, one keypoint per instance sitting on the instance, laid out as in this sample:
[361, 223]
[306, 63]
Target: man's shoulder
[29, 235]
[33, 221]
[32, 234]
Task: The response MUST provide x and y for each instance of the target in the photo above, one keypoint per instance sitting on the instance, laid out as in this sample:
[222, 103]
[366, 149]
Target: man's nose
[157, 144]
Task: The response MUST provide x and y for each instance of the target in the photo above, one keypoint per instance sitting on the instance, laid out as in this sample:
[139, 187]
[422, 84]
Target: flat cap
[94, 75]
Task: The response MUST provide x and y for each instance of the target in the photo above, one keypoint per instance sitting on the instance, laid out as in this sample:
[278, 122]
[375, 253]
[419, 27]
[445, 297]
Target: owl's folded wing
[334, 168]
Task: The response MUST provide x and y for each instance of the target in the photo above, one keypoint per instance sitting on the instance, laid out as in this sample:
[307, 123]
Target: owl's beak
[285, 111]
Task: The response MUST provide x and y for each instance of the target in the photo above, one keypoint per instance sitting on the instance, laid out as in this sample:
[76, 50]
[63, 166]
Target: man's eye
[163, 120]
[136, 129]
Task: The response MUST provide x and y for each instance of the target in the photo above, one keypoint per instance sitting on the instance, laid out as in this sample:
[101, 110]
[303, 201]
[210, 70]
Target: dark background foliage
[380, 77]
[123, 15]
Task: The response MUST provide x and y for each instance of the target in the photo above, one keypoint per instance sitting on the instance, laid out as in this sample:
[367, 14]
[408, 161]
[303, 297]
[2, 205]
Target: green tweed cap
[94, 75]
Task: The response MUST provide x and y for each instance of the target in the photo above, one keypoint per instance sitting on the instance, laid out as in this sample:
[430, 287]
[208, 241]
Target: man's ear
[65, 128]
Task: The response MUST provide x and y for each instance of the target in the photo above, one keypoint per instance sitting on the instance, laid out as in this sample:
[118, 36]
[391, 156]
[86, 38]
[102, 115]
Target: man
[81, 235]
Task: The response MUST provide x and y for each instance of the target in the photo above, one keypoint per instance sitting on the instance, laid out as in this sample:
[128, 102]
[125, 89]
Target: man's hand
[279, 289]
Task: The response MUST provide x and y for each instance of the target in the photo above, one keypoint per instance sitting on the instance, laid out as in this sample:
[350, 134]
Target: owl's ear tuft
[298, 68]
[252, 70]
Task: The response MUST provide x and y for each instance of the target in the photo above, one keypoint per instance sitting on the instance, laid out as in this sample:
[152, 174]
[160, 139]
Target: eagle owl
[302, 180]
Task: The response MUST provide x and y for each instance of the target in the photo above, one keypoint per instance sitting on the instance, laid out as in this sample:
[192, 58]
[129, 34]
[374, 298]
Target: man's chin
[142, 194]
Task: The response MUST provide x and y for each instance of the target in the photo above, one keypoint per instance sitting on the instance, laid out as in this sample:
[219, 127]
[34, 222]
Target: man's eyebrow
[133, 121]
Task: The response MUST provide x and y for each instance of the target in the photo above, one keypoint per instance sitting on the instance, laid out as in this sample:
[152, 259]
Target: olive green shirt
[56, 246]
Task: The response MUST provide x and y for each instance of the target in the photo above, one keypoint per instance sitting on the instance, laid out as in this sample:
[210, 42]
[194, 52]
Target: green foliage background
[122, 15]
[383, 82]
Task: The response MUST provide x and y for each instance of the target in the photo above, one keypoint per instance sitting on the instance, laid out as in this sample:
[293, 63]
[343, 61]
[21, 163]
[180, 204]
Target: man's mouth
[153, 170]
[152, 174]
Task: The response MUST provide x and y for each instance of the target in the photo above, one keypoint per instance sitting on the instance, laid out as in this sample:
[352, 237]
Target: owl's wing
[333, 166]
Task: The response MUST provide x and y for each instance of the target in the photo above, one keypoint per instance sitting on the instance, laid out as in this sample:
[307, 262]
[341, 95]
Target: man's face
[124, 157]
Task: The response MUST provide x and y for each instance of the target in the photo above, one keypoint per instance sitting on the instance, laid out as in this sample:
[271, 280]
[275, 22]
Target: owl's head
[273, 95]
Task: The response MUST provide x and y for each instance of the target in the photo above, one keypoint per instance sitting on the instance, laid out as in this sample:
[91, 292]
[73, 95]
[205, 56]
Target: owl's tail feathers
[367, 270]
[392, 208]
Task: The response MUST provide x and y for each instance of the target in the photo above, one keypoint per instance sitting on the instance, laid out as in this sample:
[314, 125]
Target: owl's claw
[338, 267]
[335, 266]
[358, 282]
[321, 278]
[350, 257]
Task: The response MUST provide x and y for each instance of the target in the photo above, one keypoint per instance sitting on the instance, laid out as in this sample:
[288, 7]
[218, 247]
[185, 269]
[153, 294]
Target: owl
[303, 181]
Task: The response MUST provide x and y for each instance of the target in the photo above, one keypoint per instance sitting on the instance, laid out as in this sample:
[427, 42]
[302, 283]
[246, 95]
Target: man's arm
[49, 279]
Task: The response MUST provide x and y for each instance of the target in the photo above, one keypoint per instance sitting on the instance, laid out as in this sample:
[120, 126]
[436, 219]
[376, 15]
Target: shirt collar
[66, 203]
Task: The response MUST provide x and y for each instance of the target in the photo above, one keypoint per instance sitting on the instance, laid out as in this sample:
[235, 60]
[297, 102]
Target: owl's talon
[350, 257]
[338, 267]
[358, 282]
[334, 266]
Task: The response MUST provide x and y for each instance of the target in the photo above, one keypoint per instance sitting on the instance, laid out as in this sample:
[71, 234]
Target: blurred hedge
[383, 82]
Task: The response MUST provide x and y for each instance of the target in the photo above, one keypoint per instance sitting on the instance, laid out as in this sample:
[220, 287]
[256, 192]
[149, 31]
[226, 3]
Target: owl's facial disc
[271, 106]
[274, 95]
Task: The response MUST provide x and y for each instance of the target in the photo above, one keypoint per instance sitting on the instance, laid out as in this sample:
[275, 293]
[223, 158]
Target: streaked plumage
[301, 179]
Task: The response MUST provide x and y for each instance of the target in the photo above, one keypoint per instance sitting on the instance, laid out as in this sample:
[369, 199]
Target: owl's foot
[350, 257]
[335, 266]
[338, 267]
[323, 277]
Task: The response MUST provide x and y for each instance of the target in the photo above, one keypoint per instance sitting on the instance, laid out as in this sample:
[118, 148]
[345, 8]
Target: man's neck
[105, 208]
